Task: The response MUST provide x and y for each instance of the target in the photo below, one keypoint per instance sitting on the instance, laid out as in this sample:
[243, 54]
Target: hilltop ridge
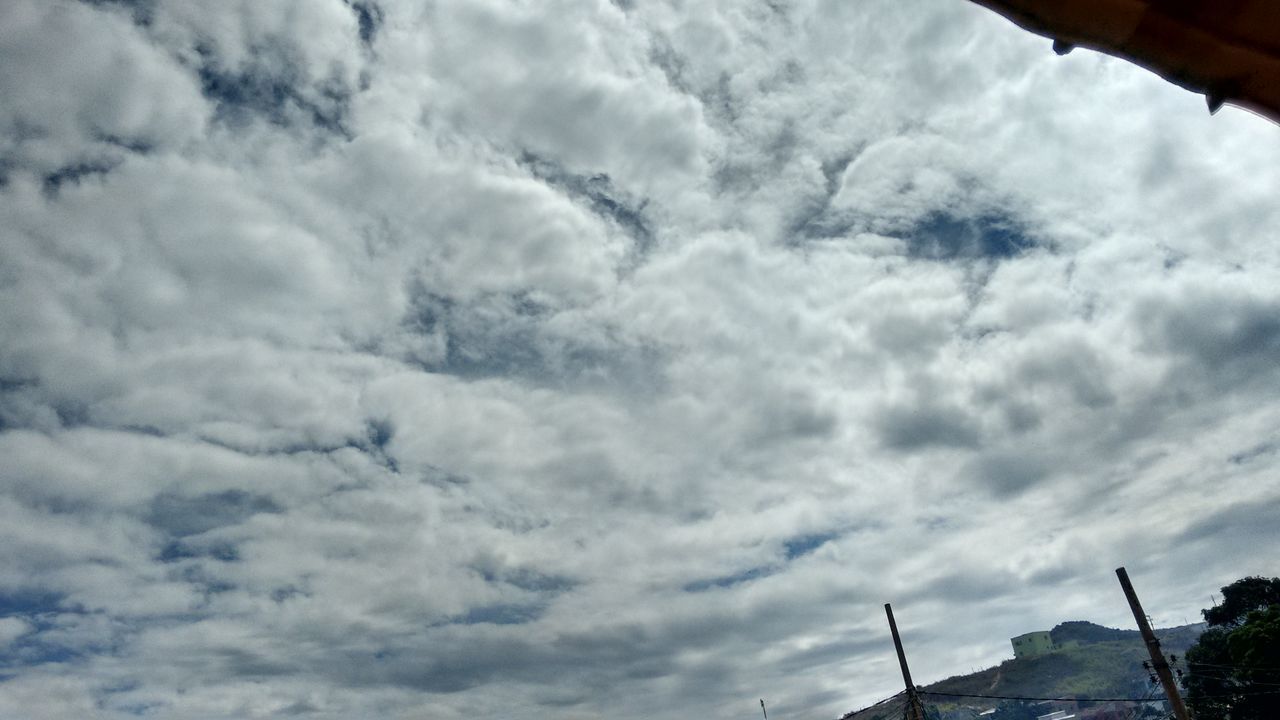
[1087, 661]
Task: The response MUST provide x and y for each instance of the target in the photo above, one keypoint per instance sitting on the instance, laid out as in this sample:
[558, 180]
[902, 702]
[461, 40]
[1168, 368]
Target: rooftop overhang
[1227, 50]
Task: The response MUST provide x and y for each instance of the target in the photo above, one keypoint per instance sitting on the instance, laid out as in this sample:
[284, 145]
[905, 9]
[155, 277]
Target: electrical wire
[1231, 667]
[1037, 699]
[1137, 707]
[1241, 693]
[897, 709]
[899, 694]
[1082, 699]
[904, 701]
[1223, 675]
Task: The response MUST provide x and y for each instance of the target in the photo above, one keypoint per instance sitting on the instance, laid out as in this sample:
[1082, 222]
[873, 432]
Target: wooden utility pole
[1153, 647]
[915, 710]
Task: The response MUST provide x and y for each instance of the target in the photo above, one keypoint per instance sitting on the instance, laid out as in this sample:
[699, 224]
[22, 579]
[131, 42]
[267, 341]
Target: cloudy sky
[571, 359]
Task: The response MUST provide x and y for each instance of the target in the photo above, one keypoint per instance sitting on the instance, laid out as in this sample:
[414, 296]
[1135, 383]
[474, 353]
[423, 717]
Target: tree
[1234, 668]
[1241, 598]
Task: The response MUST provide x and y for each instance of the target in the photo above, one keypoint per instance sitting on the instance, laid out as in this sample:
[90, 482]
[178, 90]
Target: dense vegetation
[1087, 632]
[1234, 670]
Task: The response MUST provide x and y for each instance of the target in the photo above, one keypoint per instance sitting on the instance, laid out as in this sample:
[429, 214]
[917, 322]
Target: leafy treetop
[1242, 597]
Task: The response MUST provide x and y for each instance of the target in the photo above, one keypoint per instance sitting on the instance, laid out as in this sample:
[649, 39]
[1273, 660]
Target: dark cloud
[524, 578]
[205, 576]
[598, 192]
[1247, 524]
[1254, 453]
[178, 550]
[920, 426]
[673, 66]
[242, 96]
[138, 145]
[510, 336]
[181, 516]
[74, 174]
[274, 88]
[958, 586]
[369, 16]
[15, 394]
[503, 614]
[493, 337]
[1229, 339]
[829, 653]
[794, 416]
[140, 11]
[1008, 472]
[814, 219]
[719, 101]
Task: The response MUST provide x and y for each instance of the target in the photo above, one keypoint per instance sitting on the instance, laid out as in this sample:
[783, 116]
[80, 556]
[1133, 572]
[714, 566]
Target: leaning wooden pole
[1153, 646]
[915, 710]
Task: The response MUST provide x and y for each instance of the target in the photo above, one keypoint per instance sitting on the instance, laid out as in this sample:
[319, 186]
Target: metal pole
[766, 712]
[1153, 647]
[914, 709]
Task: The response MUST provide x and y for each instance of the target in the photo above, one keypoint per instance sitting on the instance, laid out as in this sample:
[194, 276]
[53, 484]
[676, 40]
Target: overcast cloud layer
[491, 359]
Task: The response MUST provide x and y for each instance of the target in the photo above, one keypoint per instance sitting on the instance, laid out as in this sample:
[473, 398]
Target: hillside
[1092, 662]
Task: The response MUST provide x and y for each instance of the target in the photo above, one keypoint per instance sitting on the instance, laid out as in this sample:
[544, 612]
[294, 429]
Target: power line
[876, 704]
[1231, 667]
[1223, 675]
[881, 709]
[1081, 699]
[896, 696]
[1137, 707]
[899, 710]
[1038, 699]
[1241, 693]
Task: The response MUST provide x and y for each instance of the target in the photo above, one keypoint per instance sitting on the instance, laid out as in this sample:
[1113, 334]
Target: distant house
[1110, 711]
[1032, 644]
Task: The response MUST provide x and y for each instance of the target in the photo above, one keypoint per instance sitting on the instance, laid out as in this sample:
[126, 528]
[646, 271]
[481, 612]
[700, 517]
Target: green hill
[1091, 661]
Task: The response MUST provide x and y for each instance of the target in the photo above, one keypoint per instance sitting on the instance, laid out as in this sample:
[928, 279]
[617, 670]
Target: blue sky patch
[181, 516]
[802, 545]
[30, 602]
[503, 614]
[942, 235]
[754, 573]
